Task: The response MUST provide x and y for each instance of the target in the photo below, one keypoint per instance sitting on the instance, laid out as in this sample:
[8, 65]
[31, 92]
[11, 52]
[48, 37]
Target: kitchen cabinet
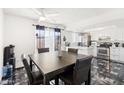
[114, 51]
[122, 54]
[117, 53]
[84, 50]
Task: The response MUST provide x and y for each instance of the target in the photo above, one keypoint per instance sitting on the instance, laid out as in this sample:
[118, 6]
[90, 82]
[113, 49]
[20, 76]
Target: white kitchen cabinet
[121, 54]
[115, 57]
[84, 50]
[115, 53]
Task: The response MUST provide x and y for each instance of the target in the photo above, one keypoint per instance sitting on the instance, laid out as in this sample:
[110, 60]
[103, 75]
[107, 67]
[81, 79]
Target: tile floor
[98, 77]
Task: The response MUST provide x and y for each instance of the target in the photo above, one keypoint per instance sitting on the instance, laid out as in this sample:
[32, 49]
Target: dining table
[51, 64]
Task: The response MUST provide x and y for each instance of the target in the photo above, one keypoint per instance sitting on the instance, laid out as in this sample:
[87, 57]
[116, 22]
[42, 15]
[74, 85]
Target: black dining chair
[43, 50]
[35, 78]
[79, 74]
[72, 50]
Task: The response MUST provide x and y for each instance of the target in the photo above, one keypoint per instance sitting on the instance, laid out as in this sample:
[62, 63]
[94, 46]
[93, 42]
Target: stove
[103, 53]
[103, 60]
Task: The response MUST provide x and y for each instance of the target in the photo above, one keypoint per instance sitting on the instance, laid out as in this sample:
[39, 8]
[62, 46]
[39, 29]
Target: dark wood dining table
[52, 64]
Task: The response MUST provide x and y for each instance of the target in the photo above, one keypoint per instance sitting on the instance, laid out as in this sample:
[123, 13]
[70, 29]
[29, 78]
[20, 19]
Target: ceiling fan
[44, 16]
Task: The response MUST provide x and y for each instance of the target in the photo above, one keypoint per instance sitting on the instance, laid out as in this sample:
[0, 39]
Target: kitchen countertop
[79, 47]
[84, 50]
[93, 51]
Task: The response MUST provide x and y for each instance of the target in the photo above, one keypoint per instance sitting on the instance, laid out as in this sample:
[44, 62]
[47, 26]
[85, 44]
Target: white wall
[1, 41]
[19, 32]
[115, 32]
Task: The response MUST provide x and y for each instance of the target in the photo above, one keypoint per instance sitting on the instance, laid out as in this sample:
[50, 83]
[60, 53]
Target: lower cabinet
[122, 54]
[117, 54]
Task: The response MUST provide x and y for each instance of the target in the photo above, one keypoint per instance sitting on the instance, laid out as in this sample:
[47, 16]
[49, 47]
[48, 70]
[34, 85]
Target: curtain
[49, 39]
[40, 36]
[57, 39]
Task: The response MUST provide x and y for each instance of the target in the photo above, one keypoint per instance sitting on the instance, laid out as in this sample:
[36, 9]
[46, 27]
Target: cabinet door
[116, 51]
[83, 51]
[115, 57]
[115, 54]
[122, 54]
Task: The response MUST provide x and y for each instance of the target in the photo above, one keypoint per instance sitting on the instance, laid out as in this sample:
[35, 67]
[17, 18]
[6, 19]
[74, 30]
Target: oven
[103, 53]
[103, 60]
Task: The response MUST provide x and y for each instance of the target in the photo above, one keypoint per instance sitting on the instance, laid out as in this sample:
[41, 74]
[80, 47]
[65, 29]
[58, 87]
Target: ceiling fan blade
[43, 16]
[52, 15]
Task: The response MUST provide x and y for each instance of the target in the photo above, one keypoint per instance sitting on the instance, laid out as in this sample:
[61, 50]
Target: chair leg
[87, 82]
[28, 83]
[57, 80]
[89, 78]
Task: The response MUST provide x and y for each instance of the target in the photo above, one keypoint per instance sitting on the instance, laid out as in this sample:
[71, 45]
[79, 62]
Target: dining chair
[35, 78]
[72, 50]
[43, 50]
[79, 74]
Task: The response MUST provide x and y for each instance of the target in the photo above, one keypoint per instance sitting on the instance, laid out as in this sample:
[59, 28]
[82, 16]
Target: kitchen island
[116, 53]
[85, 50]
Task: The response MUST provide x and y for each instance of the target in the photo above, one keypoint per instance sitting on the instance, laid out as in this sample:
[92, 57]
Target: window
[48, 38]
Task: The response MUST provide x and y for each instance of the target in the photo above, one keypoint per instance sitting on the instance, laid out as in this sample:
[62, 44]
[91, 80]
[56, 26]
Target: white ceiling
[75, 19]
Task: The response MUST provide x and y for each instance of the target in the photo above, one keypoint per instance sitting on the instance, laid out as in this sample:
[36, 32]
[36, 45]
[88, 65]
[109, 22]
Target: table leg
[44, 80]
[31, 64]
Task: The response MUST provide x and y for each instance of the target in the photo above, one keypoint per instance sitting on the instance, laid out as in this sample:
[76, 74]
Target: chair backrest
[81, 70]
[28, 69]
[72, 50]
[42, 50]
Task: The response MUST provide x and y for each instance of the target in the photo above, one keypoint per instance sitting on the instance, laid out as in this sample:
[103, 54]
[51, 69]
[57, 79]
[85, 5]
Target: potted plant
[116, 44]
